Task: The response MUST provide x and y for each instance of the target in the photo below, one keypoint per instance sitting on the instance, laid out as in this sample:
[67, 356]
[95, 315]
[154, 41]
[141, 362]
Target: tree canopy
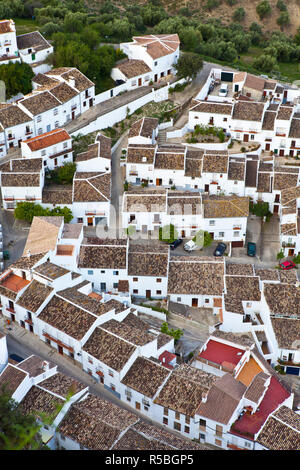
[188, 65]
[17, 78]
[27, 210]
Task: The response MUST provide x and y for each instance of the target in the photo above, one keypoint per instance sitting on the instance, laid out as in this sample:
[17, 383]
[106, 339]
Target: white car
[223, 90]
[190, 246]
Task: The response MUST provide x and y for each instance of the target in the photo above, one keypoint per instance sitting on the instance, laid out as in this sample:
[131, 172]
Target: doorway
[148, 294]
[140, 82]
[91, 102]
[73, 115]
[194, 302]
[90, 221]
[60, 350]
[246, 137]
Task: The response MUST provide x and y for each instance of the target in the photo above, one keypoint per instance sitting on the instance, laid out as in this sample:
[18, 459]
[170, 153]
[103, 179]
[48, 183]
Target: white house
[97, 157]
[8, 45]
[33, 47]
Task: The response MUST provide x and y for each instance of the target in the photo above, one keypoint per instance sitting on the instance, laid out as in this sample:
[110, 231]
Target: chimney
[28, 254]
[72, 81]
[204, 397]
[45, 365]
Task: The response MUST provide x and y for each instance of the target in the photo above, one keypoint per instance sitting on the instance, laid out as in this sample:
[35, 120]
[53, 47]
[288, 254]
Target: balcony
[133, 173]
[10, 137]
[29, 321]
[9, 198]
[73, 107]
[280, 134]
[57, 341]
[30, 198]
[28, 132]
[11, 310]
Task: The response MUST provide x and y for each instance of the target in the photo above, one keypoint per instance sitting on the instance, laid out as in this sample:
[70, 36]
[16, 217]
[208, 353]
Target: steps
[162, 137]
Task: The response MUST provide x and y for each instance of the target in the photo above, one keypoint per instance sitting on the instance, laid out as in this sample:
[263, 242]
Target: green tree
[260, 209]
[171, 332]
[280, 255]
[265, 63]
[281, 5]
[27, 210]
[188, 65]
[263, 9]
[17, 78]
[283, 19]
[239, 14]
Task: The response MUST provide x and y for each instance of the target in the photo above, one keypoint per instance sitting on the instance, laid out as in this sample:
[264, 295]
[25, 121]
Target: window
[39, 118]
[66, 156]
[235, 182]
[166, 411]
[113, 387]
[158, 279]
[43, 152]
[165, 421]
[155, 63]
[56, 124]
[90, 271]
[40, 131]
[236, 233]
[79, 220]
[177, 426]
[135, 279]
[55, 112]
[158, 292]
[187, 420]
[202, 424]
[146, 408]
[110, 372]
[221, 234]
[212, 222]
[206, 301]
[177, 415]
[90, 360]
[135, 291]
[102, 272]
[84, 103]
[115, 273]
[224, 119]
[248, 444]
[65, 145]
[219, 430]
[202, 436]
[252, 137]
[178, 299]
[186, 429]
[128, 398]
[115, 285]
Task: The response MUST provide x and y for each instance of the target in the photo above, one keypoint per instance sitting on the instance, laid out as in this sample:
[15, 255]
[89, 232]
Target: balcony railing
[9, 198]
[133, 173]
[11, 310]
[280, 134]
[288, 245]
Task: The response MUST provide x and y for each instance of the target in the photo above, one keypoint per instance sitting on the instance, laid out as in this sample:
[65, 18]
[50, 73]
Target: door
[148, 294]
[103, 286]
[276, 208]
[281, 153]
[90, 221]
[183, 233]
[267, 146]
[60, 350]
[22, 323]
[212, 234]
[155, 77]
[246, 137]
[236, 88]
[73, 115]
[32, 56]
[158, 182]
[206, 188]
[31, 328]
[55, 161]
[91, 102]
[140, 82]
[48, 128]
[239, 244]
[19, 143]
[13, 317]
[291, 153]
[291, 252]
[194, 302]
[137, 405]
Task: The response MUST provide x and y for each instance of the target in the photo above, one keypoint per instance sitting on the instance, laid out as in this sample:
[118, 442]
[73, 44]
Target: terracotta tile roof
[32, 40]
[267, 274]
[129, 333]
[148, 200]
[288, 416]
[102, 257]
[20, 180]
[225, 206]
[243, 287]
[34, 296]
[35, 365]
[62, 385]
[278, 435]
[273, 106]
[133, 67]
[239, 77]
[290, 195]
[25, 262]
[27, 165]
[105, 145]
[239, 269]
[257, 387]
[193, 163]
[158, 45]
[227, 391]
[42, 80]
[96, 424]
[13, 116]
[289, 229]
[169, 159]
[264, 182]
[265, 166]
[63, 92]
[248, 111]
[288, 277]
[284, 112]
[50, 270]
[215, 163]
[233, 305]
[287, 332]
[109, 349]
[72, 231]
[269, 85]
[92, 152]
[39, 103]
[162, 435]
[64, 316]
[42, 235]
[187, 276]
[254, 82]
[140, 154]
[285, 180]
[12, 377]
[91, 187]
[38, 401]
[145, 377]
[6, 26]
[295, 128]
[186, 203]
[211, 107]
[184, 389]
[47, 139]
[148, 260]
[137, 441]
[67, 73]
[239, 340]
[57, 195]
[236, 170]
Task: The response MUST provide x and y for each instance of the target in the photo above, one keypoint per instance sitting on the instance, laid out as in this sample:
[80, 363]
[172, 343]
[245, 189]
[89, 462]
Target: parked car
[175, 243]
[220, 250]
[287, 265]
[223, 89]
[251, 249]
[191, 246]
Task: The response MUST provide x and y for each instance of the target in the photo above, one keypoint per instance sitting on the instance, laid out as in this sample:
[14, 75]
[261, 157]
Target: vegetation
[188, 65]
[201, 134]
[296, 259]
[155, 308]
[239, 14]
[17, 78]
[202, 239]
[63, 174]
[280, 255]
[27, 210]
[261, 209]
[81, 142]
[168, 233]
[171, 332]
[263, 9]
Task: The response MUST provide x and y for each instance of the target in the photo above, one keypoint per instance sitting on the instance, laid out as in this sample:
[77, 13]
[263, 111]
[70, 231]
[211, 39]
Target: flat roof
[221, 353]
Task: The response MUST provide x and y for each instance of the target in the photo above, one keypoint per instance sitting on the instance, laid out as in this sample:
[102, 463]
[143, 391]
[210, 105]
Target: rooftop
[62, 385]
[43, 235]
[225, 206]
[220, 353]
[248, 111]
[34, 296]
[133, 68]
[32, 40]
[12, 377]
[145, 376]
[50, 270]
[158, 45]
[283, 299]
[102, 257]
[47, 139]
[287, 332]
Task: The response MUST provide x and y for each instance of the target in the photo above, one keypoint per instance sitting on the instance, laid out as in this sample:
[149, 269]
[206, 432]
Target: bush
[17, 78]
[239, 14]
[297, 259]
[28, 210]
[168, 233]
[283, 19]
[126, 184]
[281, 5]
[171, 332]
[263, 9]
[261, 209]
[280, 255]
[64, 174]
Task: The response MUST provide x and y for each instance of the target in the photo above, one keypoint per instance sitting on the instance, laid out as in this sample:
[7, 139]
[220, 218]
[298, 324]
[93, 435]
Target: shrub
[126, 185]
[239, 14]
[168, 233]
[27, 211]
[263, 9]
[280, 255]
[297, 259]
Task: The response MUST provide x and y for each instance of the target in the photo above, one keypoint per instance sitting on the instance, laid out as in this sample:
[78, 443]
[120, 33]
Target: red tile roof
[221, 353]
[248, 425]
[49, 138]
[165, 358]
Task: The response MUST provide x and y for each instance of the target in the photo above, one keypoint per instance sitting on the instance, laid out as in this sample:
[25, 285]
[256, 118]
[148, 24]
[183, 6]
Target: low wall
[165, 125]
[148, 311]
[178, 132]
[207, 146]
[106, 95]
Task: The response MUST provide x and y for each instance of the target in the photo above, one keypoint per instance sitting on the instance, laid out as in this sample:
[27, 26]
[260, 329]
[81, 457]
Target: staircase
[162, 137]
